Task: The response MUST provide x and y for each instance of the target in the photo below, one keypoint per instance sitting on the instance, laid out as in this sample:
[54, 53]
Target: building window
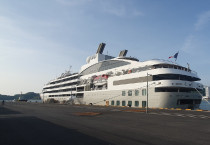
[118, 103]
[123, 93]
[136, 92]
[144, 103]
[123, 103]
[112, 102]
[144, 92]
[136, 103]
[129, 103]
[130, 93]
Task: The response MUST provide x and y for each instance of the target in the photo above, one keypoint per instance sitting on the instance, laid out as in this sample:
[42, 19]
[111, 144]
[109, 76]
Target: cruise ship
[126, 81]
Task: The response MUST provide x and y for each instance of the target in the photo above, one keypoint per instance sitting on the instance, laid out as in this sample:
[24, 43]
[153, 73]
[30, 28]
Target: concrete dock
[53, 124]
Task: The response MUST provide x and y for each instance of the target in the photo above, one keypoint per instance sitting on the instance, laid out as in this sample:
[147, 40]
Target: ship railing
[188, 70]
[140, 69]
[206, 99]
[165, 60]
[194, 72]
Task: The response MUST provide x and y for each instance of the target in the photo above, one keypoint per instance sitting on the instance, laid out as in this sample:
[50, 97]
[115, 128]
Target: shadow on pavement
[34, 131]
[6, 111]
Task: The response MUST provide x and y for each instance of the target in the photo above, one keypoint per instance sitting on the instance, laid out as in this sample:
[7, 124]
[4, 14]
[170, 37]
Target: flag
[174, 56]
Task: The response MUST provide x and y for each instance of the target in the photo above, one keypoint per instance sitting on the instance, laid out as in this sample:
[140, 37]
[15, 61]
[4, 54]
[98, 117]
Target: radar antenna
[70, 68]
[188, 66]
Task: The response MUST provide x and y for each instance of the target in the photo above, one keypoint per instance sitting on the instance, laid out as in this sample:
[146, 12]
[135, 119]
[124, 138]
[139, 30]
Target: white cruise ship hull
[155, 99]
[124, 81]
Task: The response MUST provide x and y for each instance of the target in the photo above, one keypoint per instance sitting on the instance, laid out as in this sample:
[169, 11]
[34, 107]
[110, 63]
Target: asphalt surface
[53, 124]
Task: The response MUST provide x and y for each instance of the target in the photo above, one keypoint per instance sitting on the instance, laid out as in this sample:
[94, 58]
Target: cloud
[187, 46]
[3, 19]
[73, 2]
[203, 19]
[137, 13]
[200, 24]
[111, 7]
[122, 11]
[17, 41]
[119, 9]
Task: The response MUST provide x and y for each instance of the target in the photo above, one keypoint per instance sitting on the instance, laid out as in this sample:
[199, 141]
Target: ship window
[80, 96]
[130, 93]
[188, 101]
[129, 58]
[136, 92]
[166, 89]
[144, 92]
[174, 77]
[64, 85]
[118, 103]
[136, 103]
[129, 103]
[105, 65]
[123, 103]
[197, 101]
[123, 93]
[132, 80]
[112, 102]
[176, 89]
[144, 103]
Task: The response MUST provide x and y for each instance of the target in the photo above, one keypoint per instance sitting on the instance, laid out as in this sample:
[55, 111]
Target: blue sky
[40, 39]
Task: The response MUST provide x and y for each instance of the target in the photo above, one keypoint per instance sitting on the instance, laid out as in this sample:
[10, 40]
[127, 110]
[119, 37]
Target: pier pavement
[53, 124]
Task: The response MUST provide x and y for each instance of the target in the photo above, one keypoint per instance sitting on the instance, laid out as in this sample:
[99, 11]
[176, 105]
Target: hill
[27, 96]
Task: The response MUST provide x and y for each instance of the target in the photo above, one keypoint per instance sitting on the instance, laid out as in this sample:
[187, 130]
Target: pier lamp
[147, 93]
[42, 96]
[71, 92]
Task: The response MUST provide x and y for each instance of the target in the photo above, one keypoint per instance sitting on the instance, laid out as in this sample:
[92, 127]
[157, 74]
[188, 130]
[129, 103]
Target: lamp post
[71, 92]
[147, 95]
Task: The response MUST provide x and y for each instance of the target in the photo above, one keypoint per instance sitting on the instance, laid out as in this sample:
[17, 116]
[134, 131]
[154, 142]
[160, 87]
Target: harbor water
[205, 105]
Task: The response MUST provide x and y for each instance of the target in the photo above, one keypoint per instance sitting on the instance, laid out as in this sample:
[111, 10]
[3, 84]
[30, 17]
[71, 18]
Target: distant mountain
[6, 97]
[27, 96]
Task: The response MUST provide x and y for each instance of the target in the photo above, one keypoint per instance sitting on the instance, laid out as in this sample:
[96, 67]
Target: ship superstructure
[62, 88]
[123, 81]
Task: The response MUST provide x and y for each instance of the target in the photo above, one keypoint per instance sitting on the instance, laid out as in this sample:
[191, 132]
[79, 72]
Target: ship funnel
[101, 48]
[123, 53]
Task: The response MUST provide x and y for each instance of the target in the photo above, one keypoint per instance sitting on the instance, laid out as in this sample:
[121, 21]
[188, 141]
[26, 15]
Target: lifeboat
[129, 71]
[101, 79]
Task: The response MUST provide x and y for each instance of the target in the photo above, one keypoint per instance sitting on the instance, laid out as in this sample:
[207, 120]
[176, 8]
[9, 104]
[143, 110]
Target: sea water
[35, 101]
[31, 101]
[205, 105]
